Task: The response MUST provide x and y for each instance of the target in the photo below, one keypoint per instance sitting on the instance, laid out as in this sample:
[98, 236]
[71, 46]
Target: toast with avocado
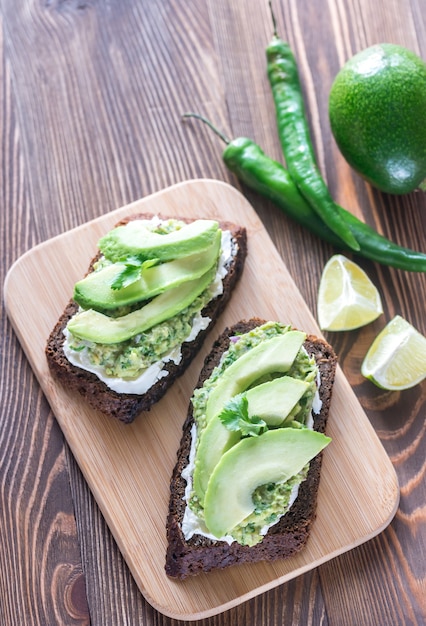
[136, 320]
[244, 487]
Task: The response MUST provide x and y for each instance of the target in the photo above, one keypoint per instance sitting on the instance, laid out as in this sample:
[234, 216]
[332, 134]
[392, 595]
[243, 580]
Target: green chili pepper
[295, 138]
[270, 179]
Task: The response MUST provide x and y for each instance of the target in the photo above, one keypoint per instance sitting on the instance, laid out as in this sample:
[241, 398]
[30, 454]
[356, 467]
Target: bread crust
[123, 406]
[200, 554]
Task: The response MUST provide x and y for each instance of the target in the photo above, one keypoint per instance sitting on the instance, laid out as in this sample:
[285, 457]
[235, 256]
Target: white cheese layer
[149, 376]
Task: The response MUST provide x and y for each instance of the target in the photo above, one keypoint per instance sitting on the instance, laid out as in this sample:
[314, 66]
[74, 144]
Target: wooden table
[91, 96]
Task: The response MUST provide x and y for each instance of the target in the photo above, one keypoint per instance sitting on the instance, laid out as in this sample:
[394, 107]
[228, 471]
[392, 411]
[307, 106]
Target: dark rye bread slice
[200, 554]
[124, 406]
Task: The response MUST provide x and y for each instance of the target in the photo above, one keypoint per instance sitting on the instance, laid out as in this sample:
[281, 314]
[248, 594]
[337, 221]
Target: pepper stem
[209, 124]
[274, 21]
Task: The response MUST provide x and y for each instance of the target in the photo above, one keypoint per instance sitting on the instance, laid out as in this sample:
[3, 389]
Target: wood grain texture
[91, 96]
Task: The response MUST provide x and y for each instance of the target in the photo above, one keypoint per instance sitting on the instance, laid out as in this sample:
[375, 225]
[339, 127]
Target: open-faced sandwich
[139, 316]
[245, 484]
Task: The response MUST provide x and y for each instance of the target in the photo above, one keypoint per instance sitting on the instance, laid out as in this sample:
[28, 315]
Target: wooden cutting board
[128, 468]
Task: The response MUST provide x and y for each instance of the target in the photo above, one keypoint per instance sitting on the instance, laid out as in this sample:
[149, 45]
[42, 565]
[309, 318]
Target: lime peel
[396, 360]
[347, 299]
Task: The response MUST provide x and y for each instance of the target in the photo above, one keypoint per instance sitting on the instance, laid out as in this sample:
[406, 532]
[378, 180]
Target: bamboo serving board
[128, 467]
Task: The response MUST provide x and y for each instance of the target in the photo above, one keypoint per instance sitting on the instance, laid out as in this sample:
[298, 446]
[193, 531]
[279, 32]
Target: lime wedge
[347, 298]
[396, 359]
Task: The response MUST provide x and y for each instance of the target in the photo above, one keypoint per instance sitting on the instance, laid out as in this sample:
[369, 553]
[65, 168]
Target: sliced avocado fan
[95, 290]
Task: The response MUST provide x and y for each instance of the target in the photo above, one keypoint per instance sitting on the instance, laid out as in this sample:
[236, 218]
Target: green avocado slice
[275, 456]
[269, 357]
[274, 400]
[95, 291]
[215, 440]
[271, 401]
[134, 239]
[99, 328]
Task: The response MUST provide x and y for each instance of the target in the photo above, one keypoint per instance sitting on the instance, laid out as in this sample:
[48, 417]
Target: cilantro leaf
[235, 417]
[131, 272]
[128, 275]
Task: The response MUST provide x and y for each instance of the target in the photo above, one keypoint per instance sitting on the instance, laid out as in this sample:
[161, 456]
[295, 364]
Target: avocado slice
[134, 239]
[95, 291]
[275, 456]
[271, 401]
[215, 440]
[275, 355]
[99, 328]
[274, 400]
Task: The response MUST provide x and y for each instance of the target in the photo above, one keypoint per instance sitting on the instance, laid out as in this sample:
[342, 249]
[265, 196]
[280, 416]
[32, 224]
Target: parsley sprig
[235, 417]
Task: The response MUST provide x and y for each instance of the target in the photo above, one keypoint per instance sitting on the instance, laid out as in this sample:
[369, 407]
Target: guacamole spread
[128, 359]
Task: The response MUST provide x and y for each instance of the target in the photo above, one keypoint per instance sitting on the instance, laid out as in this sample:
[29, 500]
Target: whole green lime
[377, 109]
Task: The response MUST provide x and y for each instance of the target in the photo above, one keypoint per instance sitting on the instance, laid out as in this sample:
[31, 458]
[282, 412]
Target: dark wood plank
[92, 95]
[42, 580]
